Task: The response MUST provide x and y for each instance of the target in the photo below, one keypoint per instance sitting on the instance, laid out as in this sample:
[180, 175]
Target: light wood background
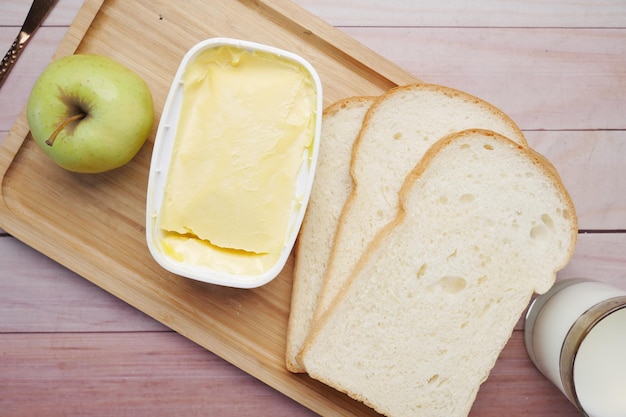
[557, 68]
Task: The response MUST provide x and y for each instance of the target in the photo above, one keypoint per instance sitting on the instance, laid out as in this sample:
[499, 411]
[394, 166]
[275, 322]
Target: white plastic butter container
[162, 157]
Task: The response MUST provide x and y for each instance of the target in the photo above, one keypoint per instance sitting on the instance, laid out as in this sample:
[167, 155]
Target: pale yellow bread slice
[341, 124]
[398, 129]
[484, 223]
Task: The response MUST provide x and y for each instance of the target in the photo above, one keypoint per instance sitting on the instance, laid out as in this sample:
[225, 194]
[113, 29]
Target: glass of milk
[575, 334]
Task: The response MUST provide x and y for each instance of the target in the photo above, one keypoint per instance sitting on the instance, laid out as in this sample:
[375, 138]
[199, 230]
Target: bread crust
[302, 298]
[543, 166]
[329, 306]
[413, 177]
[329, 287]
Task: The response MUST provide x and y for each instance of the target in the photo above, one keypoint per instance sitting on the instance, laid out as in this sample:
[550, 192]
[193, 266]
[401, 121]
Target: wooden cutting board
[95, 224]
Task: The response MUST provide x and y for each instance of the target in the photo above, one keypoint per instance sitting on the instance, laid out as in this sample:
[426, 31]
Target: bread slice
[484, 223]
[340, 127]
[397, 131]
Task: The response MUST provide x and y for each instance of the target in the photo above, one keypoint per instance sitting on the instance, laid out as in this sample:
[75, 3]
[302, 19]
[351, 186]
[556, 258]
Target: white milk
[600, 366]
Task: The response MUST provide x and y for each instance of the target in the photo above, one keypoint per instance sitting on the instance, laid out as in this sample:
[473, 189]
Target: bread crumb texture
[484, 223]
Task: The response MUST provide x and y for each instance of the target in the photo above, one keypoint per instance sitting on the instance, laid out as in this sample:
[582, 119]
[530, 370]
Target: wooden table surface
[557, 68]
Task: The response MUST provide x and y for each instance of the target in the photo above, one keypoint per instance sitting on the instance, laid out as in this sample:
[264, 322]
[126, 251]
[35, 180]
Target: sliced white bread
[398, 129]
[340, 127]
[484, 223]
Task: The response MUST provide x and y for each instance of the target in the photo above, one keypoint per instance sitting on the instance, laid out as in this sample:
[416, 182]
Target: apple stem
[62, 126]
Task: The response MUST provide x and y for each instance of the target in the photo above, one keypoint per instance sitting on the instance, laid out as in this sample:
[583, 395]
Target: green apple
[90, 113]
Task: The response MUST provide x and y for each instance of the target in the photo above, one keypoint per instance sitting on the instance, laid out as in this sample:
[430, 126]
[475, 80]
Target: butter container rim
[161, 157]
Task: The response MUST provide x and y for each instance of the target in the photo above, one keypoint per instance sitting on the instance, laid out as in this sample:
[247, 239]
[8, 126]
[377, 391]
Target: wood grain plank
[101, 234]
[127, 374]
[13, 13]
[461, 13]
[544, 79]
[39, 295]
[162, 374]
[34, 58]
[560, 68]
[16, 88]
[600, 256]
[516, 388]
[452, 13]
[592, 167]
[109, 358]
[553, 79]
